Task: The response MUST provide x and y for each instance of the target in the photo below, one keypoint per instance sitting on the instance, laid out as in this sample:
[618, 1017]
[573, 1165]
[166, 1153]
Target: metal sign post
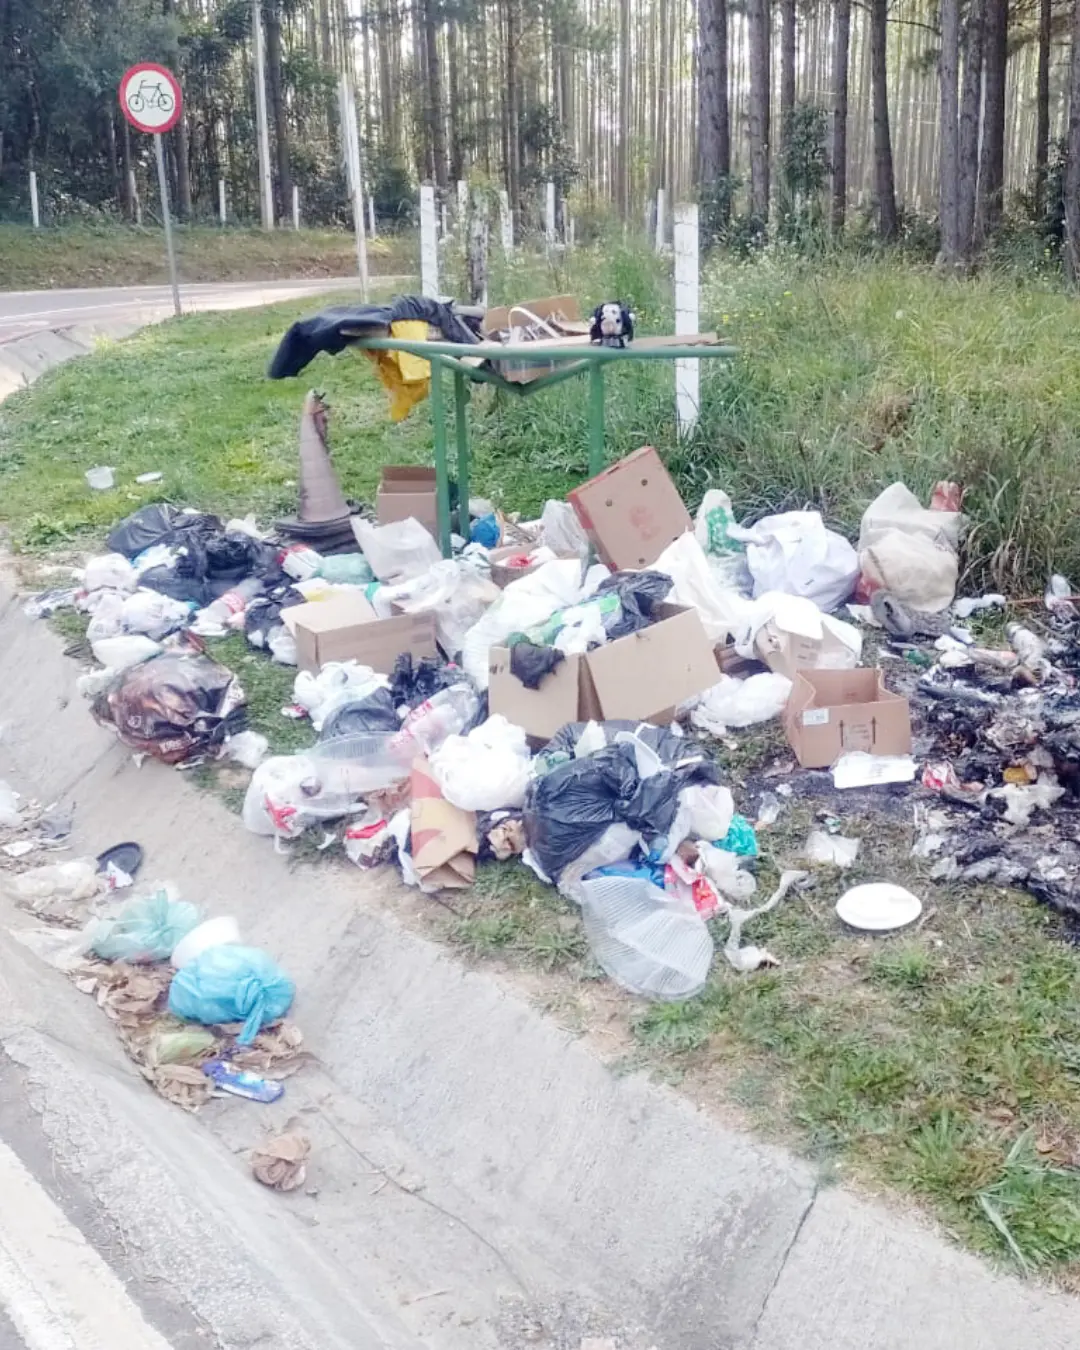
[151, 100]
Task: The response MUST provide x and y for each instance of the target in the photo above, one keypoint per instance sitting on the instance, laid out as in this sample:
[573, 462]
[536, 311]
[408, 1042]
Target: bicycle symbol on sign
[150, 95]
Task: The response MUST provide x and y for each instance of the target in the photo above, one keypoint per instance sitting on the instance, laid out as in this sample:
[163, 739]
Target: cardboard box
[554, 319]
[408, 490]
[641, 677]
[348, 629]
[631, 511]
[799, 637]
[830, 712]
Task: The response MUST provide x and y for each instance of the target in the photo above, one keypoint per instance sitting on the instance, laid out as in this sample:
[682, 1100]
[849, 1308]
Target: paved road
[23, 313]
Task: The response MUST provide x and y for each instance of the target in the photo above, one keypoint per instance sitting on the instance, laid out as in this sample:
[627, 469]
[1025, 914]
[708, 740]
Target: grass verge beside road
[69, 256]
[941, 1064]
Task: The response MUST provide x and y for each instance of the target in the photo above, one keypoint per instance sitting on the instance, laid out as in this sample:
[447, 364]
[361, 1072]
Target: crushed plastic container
[361, 762]
[647, 941]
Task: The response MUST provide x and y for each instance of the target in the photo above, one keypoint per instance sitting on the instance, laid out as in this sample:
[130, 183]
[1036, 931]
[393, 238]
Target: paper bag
[444, 840]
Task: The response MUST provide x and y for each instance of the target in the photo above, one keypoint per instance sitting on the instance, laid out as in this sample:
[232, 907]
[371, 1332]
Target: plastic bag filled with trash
[174, 706]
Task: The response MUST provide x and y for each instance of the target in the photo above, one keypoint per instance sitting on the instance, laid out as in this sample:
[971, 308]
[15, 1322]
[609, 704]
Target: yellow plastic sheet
[407, 378]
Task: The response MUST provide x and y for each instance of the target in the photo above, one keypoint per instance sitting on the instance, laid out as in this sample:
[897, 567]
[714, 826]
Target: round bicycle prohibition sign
[150, 98]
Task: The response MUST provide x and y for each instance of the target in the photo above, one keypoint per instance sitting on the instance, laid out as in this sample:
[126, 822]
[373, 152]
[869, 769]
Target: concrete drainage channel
[479, 1179]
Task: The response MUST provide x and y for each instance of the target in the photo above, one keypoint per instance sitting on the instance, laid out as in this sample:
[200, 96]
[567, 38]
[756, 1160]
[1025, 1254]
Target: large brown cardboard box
[408, 490]
[830, 712]
[642, 677]
[348, 629]
[631, 511]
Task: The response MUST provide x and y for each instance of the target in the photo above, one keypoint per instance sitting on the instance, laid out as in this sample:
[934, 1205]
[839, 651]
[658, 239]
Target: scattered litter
[152, 477]
[741, 703]
[101, 479]
[878, 907]
[10, 815]
[857, 769]
[20, 848]
[121, 859]
[241, 1083]
[281, 1161]
[248, 749]
[144, 930]
[966, 606]
[745, 959]
[831, 848]
[216, 932]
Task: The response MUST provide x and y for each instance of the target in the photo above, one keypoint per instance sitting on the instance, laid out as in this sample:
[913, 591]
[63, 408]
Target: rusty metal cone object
[321, 497]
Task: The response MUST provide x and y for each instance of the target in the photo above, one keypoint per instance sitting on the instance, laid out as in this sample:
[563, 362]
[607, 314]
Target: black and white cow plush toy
[612, 324]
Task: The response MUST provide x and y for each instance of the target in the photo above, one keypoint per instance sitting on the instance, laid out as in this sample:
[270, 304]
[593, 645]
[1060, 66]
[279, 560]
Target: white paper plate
[878, 907]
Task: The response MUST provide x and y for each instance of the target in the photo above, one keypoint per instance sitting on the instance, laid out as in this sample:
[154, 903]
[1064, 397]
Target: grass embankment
[942, 1063]
[122, 255]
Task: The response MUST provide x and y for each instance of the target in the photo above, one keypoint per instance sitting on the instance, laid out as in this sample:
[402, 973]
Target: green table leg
[442, 477]
[461, 427]
[597, 457]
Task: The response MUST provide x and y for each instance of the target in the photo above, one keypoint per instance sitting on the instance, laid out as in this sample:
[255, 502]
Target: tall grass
[852, 373]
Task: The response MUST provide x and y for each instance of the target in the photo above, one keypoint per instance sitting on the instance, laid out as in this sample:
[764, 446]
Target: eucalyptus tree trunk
[840, 52]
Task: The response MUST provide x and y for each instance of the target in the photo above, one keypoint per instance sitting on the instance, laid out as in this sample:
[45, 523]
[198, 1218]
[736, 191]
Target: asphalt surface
[23, 313]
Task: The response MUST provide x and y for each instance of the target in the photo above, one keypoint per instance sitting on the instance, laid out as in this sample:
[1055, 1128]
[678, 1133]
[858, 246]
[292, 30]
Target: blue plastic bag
[232, 984]
[145, 930]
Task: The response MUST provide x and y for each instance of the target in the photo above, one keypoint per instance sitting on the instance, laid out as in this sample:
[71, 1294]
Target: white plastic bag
[709, 808]
[10, 816]
[123, 652]
[525, 603]
[741, 703]
[725, 872]
[338, 682]
[456, 593]
[795, 553]
[830, 644]
[485, 770]
[76, 879]
[397, 551]
[107, 615]
[722, 609]
[110, 571]
[285, 797]
[561, 530]
[154, 614]
[909, 550]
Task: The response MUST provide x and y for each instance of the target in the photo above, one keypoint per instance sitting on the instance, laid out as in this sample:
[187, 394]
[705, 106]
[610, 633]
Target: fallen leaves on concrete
[281, 1161]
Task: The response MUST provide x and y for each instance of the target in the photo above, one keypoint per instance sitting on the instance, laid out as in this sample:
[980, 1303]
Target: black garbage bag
[678, 753]
[532, 664]
[377, 713]
[233, 556]
[160, 523]
[263, 614]
[175, 706]
[638, 592]
[176, 583]
[412, 682]
[568, 809]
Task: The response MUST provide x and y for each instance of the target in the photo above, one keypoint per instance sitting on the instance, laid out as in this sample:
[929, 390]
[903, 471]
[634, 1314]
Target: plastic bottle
[446, 713]
[220, 613]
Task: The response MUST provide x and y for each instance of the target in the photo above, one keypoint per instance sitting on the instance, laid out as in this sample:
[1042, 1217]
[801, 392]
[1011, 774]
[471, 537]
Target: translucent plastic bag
[109, 571]
[232, 984]
[397, 551]
[454, 592]
[709, 810]
[717, 531]
[741, 703]
[561, 531]
[485, 770]
[145, 930]
[154, 614]
[286, 796]
[697, 585]
[652, 943]
[338, 683]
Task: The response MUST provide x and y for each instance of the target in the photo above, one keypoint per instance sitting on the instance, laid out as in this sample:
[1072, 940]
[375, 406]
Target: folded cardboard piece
[642, 677]
[407, 490]
[830, 712]
[799, 637]
[346, 628]
[443, 837]
[632, 511]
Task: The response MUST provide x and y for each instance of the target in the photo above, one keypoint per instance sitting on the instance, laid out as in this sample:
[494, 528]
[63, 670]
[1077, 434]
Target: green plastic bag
[145, 930]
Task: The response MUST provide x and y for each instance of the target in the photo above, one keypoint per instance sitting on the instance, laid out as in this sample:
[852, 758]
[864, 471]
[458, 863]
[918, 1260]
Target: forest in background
[942, 121]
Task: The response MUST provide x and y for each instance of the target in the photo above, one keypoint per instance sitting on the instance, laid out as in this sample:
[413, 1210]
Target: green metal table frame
[462, 362]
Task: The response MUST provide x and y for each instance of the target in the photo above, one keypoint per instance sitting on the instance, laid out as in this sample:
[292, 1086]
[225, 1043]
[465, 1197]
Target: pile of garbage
[554, 689]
